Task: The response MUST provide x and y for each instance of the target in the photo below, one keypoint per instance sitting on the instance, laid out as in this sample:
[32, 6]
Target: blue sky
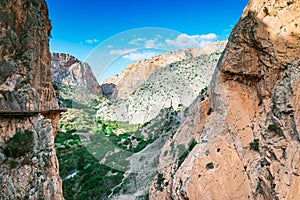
[83, 27]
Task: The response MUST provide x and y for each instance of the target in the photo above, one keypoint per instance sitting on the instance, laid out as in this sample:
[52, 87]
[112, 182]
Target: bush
[254, 145]
[271, 127]
[210, 110]
[266, 10]
[193, 143]
[160, 181]
[19, 145]
[13, 164]
[210, 165]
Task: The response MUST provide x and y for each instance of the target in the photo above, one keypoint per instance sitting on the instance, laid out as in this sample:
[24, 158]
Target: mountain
[68, 70]
[29, 111]
[175, 84]
[135, 75]
[246, 126]
[108, 150]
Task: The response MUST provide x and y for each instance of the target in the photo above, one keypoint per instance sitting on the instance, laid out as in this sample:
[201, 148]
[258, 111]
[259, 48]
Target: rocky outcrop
[247, 125]
[28, 117]
[135, 75]
[175, 85]
[68, 70]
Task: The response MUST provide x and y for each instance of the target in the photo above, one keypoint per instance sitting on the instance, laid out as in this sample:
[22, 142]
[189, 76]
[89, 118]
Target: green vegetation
[259, 188]
[271, 127]
[93, 153]
[254, 145]
[111, 141]
[266, 10]
[203, 91]
[19, 145]
[92, 179]
[18, 55]
[210, 110]
[183, 152]
[192, 144]
[209, 165]
[160, 182]
[13, 163]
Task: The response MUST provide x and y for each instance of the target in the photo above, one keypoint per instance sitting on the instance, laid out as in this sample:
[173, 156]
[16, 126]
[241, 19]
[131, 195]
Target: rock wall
[247, 125]
[136, 74]
[175, 85]
[68, 70]
[28, 163]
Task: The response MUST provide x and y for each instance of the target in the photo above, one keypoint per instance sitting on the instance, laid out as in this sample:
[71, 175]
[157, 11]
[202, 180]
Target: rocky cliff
[28, 106]
[136, 74]
[174, 85]
[68, 70]
[247, 125]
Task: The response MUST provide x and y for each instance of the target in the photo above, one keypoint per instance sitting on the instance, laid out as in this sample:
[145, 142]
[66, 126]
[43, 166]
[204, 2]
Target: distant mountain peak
[68, 70]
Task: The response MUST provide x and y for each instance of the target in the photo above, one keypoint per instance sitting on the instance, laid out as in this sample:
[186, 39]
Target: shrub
[266, 10]
[254, 145]
[13, 164]
[210, 110]
[209, 165]
[19, 145]
[159, 182]
[204, 90]
[166, 153]
[192, 144]
[271, 127]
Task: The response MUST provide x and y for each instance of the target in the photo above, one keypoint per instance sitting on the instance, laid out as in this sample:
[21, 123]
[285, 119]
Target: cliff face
[68, 70]
[136, 74]
[175, 85]
[247, 126]
[28, 164]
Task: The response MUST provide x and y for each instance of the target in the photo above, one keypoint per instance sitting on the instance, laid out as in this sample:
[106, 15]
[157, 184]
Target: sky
[111, 34]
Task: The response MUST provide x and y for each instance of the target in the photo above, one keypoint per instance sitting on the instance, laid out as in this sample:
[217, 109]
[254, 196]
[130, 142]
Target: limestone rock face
[175, 85]
[68, 70]
[136, 74]
[28, 164]
[247, 125]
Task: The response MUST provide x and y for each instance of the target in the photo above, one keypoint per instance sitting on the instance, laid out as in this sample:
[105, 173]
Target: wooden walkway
[30, 112]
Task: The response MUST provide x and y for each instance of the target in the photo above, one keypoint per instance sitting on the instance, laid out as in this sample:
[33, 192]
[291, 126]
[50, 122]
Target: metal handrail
[30, 112]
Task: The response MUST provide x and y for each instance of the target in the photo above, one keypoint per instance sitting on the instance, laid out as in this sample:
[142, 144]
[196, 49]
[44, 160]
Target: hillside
[135, 75]
[174, 85]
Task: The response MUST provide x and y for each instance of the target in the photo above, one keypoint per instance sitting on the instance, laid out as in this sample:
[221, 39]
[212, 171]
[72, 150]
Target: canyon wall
[68, 70]
[247, 124]
[136, 74]
[28, 106]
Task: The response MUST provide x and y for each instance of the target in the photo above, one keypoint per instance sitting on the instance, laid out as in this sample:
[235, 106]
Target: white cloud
[137, 41]
[109, 46]
[92, 41]
[150, 43]
[146, 43]
[121, 51]
[186, 41]
[139, 56]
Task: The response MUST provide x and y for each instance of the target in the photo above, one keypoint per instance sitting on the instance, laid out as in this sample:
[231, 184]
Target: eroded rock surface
[136, 74]
[174, 85]
[68, 70]
[28, 164]
[247, 125]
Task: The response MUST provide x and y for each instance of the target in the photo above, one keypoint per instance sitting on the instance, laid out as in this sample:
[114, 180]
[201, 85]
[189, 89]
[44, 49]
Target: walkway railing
[30, 112]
